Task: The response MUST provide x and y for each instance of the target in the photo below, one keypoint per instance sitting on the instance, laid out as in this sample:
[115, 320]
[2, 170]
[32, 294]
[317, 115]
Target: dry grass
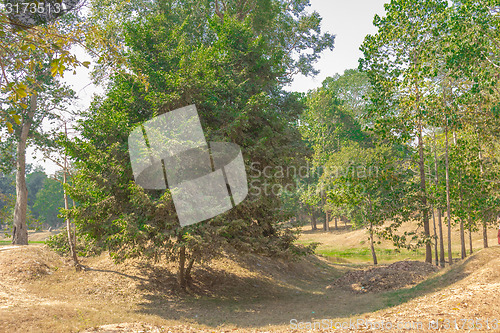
[345, 239]
[244, 292]
[41, 292]
[33, 236]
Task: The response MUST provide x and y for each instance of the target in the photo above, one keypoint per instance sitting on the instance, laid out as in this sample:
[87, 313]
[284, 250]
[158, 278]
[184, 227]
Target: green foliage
[49, 201]
[84, 247]
[233, 67]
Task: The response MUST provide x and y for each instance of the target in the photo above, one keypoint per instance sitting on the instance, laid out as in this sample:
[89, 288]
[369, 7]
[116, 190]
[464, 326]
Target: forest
[399, 154]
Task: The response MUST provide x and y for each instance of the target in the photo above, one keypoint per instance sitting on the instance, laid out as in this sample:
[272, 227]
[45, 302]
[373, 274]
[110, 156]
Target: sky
[349, 20]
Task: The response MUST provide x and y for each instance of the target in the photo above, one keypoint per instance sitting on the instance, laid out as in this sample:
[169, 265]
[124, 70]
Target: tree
[47, 98]
[49, 200]
[232, 61]
[19, 46]
[374, 184]
[330, 121]
[395, 60]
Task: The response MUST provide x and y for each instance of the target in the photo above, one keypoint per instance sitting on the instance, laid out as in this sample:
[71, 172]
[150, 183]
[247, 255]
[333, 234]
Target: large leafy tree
[396, 60]
[20, 46]
[48, 203]
[374, 186]
[330, 121]
[232, 60]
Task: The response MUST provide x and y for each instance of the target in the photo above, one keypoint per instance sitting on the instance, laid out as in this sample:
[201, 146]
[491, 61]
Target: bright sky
[349, 20]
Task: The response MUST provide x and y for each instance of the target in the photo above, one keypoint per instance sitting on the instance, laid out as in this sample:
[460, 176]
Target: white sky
[349, 20]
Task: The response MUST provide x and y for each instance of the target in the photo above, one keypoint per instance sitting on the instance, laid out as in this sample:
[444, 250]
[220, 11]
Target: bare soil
[41, 292]
[398, 275]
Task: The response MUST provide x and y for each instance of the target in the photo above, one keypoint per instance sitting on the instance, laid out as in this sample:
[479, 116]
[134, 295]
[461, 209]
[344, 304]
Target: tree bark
[470, 239]
[425, 213]
[462, 230]
[448, 204]
[372, 247]
[441, 239]
[440, 224]
[313, 219]
[71, 243]
[326, 224]
[336, 223]
[189, 268]
[181, 277]
[435, 237]
[462, 240]
[20, 228]
[485, 234]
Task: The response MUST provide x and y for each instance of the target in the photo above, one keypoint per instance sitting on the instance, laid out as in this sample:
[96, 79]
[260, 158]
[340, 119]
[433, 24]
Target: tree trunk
[441, 239]
[181, 277]
[462, 230]
[336, 223]
[74, 227]
[20, 228]
[372, 247]
[462, 239]
[435, 237]
[440, 224]
[313, 219]
[448, 204]
[485, 234]
[470, 239]
[68, 222]
[326, 224]
[189, 269]
[425, 213]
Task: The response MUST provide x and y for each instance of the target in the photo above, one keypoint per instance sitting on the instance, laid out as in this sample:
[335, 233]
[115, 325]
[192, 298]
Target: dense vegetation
[411, 135]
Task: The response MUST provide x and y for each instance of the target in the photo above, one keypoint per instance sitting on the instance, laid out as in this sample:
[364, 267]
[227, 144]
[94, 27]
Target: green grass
[364, 254]
[8, 242]
[358, 255]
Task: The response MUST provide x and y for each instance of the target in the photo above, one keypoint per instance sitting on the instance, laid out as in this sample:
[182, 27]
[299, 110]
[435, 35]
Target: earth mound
[401, 274]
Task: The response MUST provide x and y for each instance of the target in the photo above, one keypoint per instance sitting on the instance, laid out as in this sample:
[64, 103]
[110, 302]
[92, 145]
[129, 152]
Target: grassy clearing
[350, 246]
[363, 255]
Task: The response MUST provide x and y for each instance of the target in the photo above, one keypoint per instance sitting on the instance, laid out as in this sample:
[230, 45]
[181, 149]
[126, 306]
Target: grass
[8, 242]
[365, 255]
[360, 255]
[246, 292]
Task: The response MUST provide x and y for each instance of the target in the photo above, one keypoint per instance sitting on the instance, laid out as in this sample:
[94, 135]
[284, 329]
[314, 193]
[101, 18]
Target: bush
[84, 247]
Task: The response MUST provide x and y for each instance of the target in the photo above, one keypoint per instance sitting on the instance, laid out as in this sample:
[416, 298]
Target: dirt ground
[40, 292]
[398, 275]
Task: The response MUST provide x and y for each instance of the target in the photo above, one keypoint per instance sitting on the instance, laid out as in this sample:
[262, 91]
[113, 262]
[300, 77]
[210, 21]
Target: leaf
[61, 70]
[86, 64]
[21, 92]
[54, 68]
[9, 127]
[17, 119]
